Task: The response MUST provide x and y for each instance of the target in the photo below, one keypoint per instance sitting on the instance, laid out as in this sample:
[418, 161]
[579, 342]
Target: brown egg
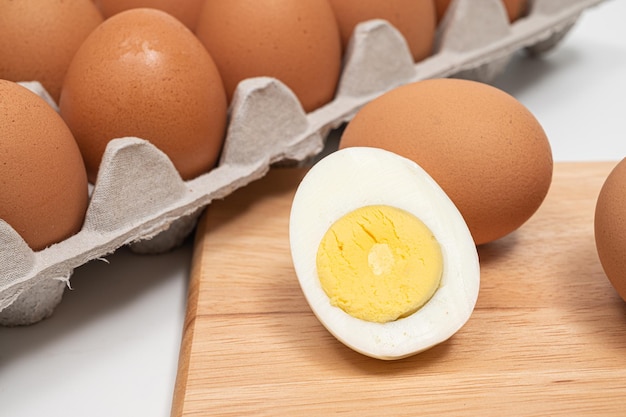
[296, 42]
[441, 6]
[143, 73]
[39, 38]
[43, 184]
[186, 11]
[415, 19]
[514, 8]
[483, 147]
[610, 227]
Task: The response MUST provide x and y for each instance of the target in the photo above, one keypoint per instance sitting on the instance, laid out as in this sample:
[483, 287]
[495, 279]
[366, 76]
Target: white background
[111, 347]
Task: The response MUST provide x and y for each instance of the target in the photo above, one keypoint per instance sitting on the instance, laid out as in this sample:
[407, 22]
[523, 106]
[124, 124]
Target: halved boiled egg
[383, 257]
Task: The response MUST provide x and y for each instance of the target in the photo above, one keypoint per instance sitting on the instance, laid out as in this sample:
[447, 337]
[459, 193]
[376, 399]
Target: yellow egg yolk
[379, 263]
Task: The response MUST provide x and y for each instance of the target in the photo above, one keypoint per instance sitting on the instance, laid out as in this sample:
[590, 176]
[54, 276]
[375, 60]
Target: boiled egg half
[384, 258]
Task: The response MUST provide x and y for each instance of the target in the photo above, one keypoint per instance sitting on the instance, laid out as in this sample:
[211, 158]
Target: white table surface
[111, 347]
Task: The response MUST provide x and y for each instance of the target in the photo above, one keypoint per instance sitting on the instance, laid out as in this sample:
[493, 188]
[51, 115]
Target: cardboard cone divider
[139, 199]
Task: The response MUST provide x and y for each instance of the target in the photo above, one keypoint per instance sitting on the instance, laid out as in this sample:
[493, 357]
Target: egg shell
[415, 19]
[163, 205]
[514, 8]
[351, 178]
[186, 11]
[610, 227]
[38, 39]
[143, 73]
[297, 42]
[43, 183]
[486, 150]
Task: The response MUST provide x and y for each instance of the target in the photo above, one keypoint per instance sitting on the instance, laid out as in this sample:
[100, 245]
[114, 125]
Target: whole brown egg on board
[415, 19]
[43, 183]
[296, 42]
[143, 73]
[39, 38]
[485, 149]
[610, 227]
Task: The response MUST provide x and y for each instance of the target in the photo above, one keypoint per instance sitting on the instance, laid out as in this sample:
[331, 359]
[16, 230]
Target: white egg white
[355, 177]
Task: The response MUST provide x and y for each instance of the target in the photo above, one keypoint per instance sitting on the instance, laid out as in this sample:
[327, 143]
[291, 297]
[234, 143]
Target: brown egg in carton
[140, 200]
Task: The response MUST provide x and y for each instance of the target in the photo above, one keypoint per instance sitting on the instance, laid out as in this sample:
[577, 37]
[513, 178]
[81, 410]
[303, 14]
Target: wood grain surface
[547, 337]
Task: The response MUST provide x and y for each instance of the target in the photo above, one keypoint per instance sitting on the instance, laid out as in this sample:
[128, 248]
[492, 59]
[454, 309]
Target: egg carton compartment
[140, 200]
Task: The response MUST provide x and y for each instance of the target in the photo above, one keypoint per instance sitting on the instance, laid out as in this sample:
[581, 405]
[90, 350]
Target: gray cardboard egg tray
[139, 199]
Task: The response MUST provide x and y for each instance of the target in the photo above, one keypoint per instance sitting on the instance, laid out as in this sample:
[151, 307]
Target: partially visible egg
[39, 38]
[610, 227]
[441, 7]
[414, 19]
[186, 11]
[514, 8]
[143, 73]
[486, 150]
[383, 257]
[43, 184]
[296, 42]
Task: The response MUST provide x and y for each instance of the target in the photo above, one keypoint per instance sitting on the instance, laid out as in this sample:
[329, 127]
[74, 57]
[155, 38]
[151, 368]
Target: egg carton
[139, 199]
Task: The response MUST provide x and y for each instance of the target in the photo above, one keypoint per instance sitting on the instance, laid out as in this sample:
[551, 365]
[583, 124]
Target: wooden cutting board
[547, 337]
